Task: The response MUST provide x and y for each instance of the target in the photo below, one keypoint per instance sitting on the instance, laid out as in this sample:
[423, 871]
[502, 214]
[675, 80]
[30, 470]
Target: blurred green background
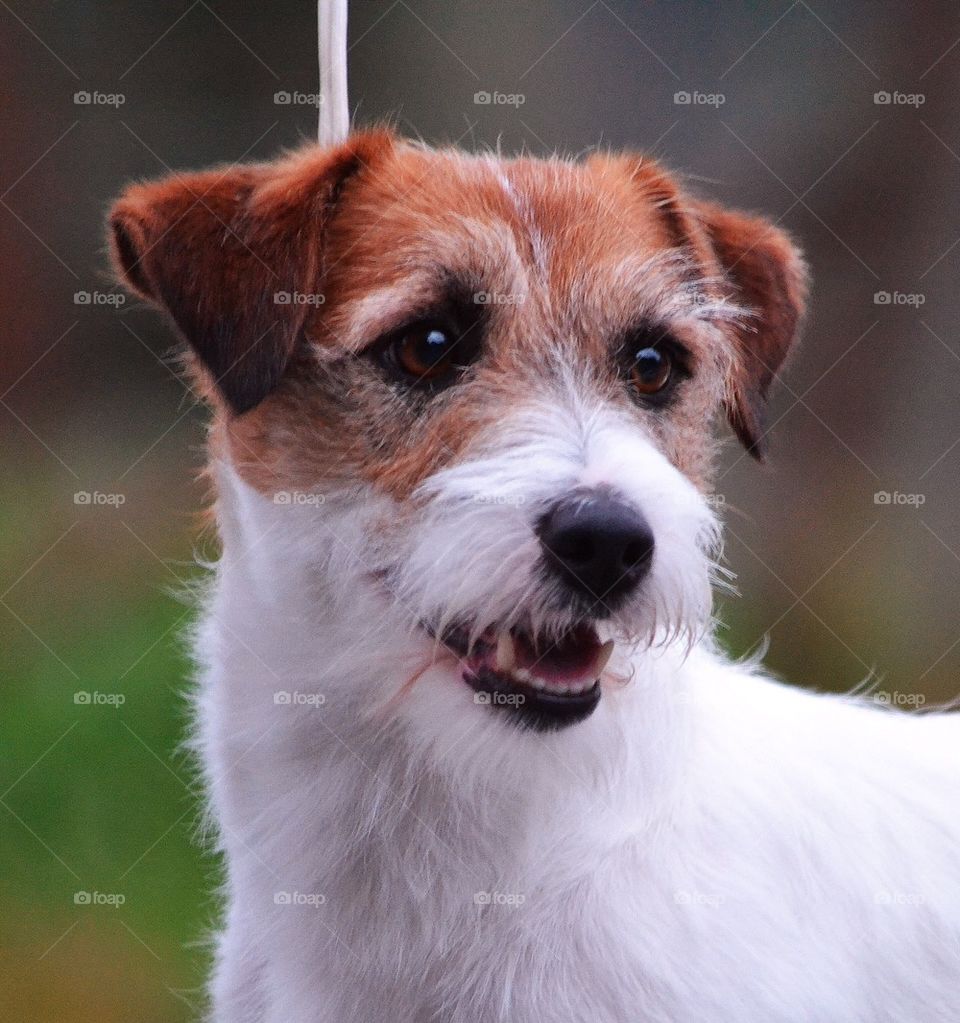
[840, 121]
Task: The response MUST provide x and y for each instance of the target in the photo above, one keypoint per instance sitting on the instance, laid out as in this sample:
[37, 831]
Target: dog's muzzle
[596, 550]
[598, 547]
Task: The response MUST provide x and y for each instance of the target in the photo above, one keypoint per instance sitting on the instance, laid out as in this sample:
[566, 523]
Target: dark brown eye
[429, 352]
[651, 370]
[425, 350]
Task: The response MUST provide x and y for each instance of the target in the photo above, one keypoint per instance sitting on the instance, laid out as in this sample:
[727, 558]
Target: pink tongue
[562, 662]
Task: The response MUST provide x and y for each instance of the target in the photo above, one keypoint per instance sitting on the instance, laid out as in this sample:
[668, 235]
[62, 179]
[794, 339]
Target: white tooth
[603, 657]
[506, 654]
[524, 676]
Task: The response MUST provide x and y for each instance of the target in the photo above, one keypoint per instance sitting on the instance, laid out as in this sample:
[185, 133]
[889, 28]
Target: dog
[472, 754]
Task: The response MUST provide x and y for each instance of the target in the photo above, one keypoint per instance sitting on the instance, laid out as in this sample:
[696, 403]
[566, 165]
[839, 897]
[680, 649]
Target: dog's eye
[651, 370]
[425, 350]
[429, 352]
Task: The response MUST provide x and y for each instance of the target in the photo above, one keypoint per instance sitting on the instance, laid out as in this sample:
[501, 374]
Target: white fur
[709, 846]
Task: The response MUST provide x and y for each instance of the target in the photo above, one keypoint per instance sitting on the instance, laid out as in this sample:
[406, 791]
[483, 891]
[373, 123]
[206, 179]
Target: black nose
[599, 546]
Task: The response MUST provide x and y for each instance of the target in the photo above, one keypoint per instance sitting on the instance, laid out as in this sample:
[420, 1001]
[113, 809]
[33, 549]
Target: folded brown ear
[226, 252]
[769, 279]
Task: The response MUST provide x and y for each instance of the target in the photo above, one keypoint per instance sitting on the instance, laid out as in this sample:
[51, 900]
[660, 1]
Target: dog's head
[471, 398]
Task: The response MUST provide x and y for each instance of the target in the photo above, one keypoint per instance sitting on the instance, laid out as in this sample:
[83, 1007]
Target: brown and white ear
[768, 278]
[224, 252]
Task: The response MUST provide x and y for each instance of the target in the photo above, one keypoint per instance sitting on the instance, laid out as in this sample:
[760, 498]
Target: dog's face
[479, 389]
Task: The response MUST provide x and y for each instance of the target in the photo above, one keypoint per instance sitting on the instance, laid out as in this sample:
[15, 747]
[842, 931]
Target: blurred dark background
[839, 121]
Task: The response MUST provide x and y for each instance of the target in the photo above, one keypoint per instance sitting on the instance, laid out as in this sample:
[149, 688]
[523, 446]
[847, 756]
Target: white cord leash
[334, 119]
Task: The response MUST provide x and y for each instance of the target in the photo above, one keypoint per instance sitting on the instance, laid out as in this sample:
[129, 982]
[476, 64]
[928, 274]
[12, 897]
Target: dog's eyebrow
[667, 288]
[380, 309]
[387, 308]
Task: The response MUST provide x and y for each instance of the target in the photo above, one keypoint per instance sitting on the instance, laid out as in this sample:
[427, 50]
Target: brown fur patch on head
[554, 267]
[554, 262]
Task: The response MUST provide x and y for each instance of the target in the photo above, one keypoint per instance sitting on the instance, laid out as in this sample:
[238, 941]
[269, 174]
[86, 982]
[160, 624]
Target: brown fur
[384, 230]
[770, 276]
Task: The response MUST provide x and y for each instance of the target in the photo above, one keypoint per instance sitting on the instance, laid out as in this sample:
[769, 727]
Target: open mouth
[542, 684]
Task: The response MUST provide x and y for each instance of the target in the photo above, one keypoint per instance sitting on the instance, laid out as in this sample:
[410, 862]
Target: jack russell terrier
[471, 752]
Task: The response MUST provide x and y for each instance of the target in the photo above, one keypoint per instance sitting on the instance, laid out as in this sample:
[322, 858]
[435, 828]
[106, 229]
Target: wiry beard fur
[470, 555]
